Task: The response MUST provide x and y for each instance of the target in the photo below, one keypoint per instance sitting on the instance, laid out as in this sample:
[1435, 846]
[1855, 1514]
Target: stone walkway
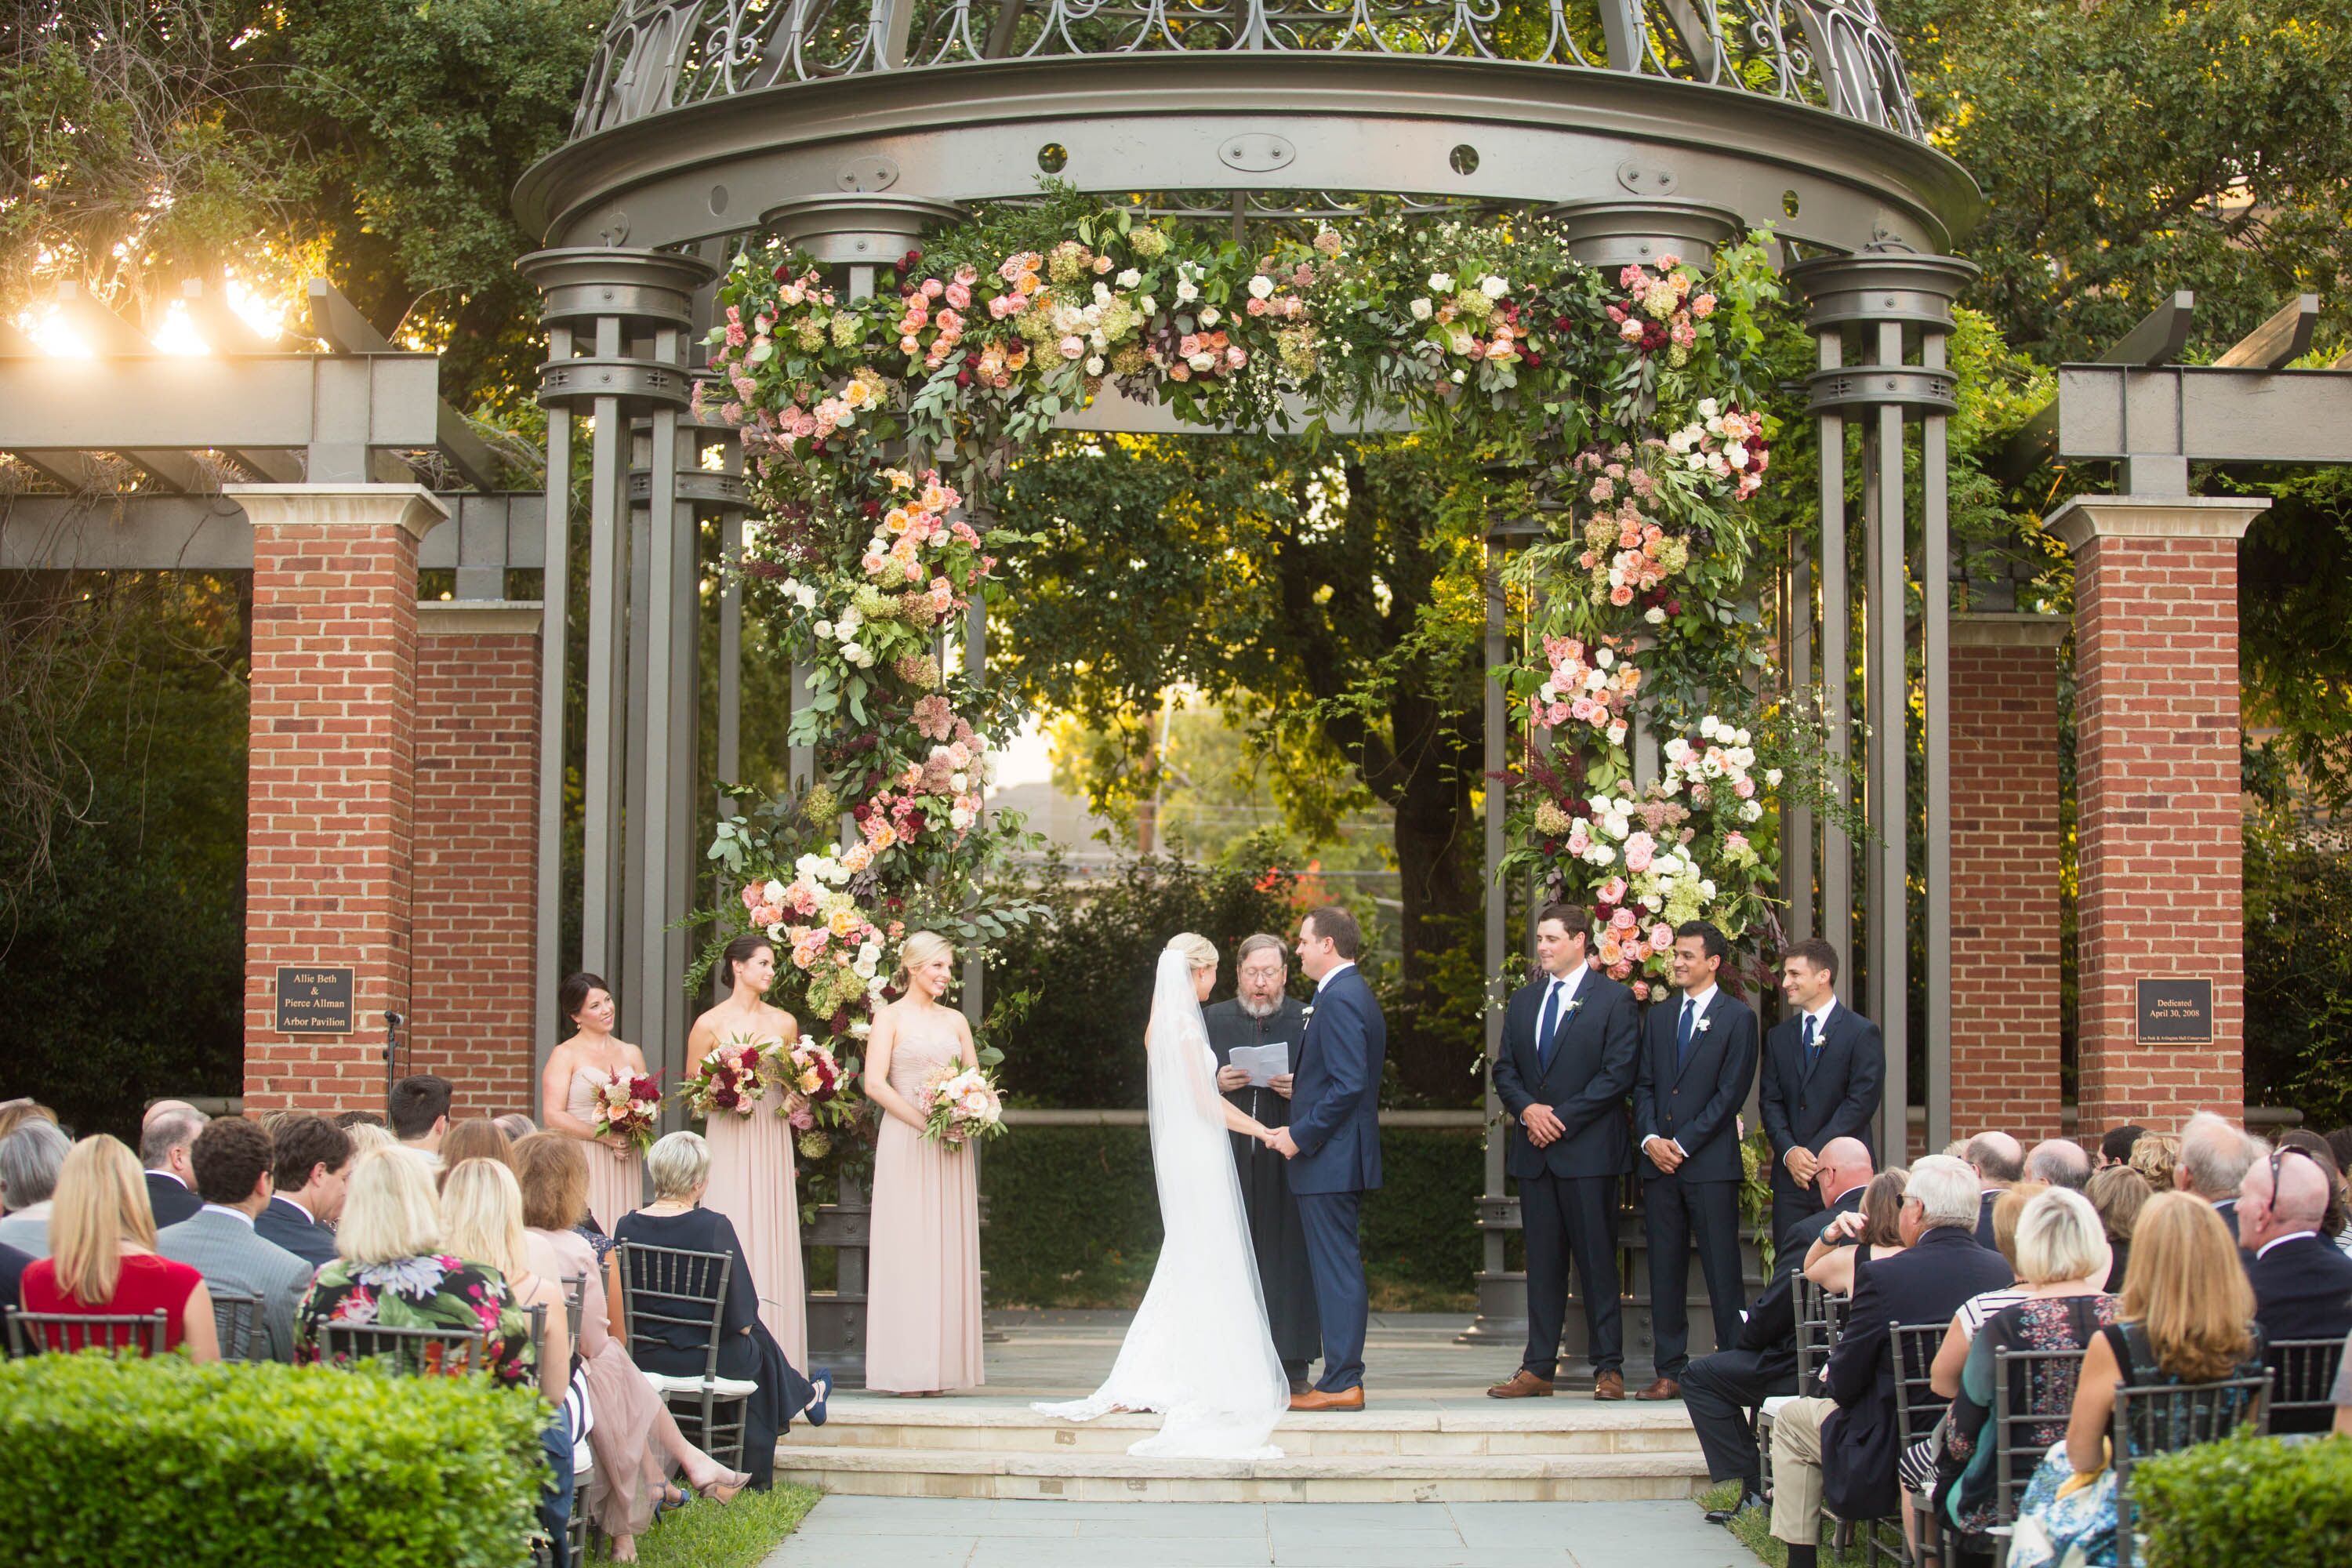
[915, 1532]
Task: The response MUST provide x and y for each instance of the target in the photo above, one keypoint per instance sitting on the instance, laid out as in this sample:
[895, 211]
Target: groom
[1333, 1144]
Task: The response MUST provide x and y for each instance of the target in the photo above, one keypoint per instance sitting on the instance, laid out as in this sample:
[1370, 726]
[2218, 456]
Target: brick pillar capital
[2086, 518]
[2005, 628]
[478, 618]
[412, 507]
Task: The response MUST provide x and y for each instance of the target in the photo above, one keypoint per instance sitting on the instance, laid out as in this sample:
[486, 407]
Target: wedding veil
[1199, 1351]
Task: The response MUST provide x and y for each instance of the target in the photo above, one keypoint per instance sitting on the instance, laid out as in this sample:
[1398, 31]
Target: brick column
[2004, 883]
[2157, 735]
[475, 929]
[328, 812]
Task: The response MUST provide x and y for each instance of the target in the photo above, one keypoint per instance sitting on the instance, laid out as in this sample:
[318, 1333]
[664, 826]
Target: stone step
[964, 1472]
[1407, 1429]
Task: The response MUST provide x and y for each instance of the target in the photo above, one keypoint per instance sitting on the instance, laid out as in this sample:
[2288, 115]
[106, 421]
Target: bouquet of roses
[628, 1104]
[733, 1077]
[961, 1106]
[812, 1082]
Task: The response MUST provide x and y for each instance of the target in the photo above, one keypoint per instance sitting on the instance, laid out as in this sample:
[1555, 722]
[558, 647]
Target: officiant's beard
[1260, 1009]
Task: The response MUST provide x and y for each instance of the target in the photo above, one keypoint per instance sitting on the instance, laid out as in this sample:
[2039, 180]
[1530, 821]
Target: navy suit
[286, 1225]
[1568, 1190]
[1807, 1102]
[1691, 1097]
[171, 1201]
[2302, 1290]
[1335, 1119]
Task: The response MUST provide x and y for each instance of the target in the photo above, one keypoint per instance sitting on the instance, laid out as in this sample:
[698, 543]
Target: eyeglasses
[2281, 1152]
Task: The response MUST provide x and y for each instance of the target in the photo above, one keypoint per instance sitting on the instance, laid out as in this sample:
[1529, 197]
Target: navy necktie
[1550, 1023]
[1812, 1045]
[1682, 1033]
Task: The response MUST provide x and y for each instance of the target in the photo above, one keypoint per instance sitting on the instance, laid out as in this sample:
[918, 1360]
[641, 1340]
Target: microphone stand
[391, 1022]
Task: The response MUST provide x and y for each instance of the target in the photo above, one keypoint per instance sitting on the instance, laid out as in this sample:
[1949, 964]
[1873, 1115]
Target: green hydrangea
[1150, 244]
[848, 331]
[873, 604]
[810, 332]
[821, 808]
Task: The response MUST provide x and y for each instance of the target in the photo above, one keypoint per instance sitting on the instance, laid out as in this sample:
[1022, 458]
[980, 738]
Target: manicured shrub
[2249, 1500]
[166, 1464]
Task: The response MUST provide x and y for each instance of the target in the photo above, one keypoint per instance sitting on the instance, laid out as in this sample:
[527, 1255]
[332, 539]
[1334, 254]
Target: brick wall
[474, 885]
[328, 807]
[2157, 725]
[2005, 1013]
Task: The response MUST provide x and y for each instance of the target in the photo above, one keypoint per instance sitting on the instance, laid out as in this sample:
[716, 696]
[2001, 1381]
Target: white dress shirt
[1697, 1006]
[224, 1208]
[2265, 1251]
[1333, 973]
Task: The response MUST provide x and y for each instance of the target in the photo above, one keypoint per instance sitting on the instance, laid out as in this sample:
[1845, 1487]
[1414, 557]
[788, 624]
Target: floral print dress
[2045, 1389]
[432, 1291]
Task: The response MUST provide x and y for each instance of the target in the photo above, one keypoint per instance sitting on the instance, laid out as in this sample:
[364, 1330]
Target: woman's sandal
[821, 1380]
[665, 1502]
[723, 1487]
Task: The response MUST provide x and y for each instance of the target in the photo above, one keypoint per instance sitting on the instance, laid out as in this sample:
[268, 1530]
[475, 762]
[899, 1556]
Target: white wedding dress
[1199, 1352]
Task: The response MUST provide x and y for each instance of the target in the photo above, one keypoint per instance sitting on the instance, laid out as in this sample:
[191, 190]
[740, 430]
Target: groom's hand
[1283, 1143]
[1543, 1127]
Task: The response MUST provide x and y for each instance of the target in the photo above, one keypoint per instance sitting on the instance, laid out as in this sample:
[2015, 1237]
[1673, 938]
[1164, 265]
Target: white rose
[807, 596]
[1204, 361]
[960, 817]
[1419, 308]
[1741, 736]
[1601, 855]
[1493, 288]
[1696, 460]
[1772, 778]
[1707, 407]
[1441, 282]
[1148, 305]
[1094, 364]
[1617, 734]
[1656, 616]
[1208, 315]
[1186, 292]
[1129, 278]
[774, 893]
[1753, 810]
[1735, 455]
[850, 650]
[1261, 286]
[1461, 376]
[1461, 342]
[959, 782]
[825, 629]
[1604, 657]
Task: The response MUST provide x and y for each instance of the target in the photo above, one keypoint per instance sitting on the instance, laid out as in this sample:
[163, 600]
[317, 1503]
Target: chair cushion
[583, 1461]
[724, 1387]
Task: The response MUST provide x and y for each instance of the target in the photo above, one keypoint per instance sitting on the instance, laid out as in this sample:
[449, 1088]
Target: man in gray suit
[232, 1161]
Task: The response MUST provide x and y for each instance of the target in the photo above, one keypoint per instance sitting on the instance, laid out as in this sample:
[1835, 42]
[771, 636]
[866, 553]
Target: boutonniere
[1573, 1004]
[1307, 1013]
[1704, 1025]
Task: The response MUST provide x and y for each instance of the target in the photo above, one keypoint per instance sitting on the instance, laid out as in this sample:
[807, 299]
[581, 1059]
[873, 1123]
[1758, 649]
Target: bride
[1199, 1352]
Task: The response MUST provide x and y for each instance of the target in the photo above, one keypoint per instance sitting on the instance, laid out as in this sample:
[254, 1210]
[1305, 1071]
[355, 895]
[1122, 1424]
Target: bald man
[2303, 1284]
[1999, 1162]
[2060, 1162]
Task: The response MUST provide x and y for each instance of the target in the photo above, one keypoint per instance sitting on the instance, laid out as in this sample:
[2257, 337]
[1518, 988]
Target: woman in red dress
[103, 1259]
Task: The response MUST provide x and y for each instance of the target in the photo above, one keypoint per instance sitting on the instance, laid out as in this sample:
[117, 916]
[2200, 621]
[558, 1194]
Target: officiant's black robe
[1275, 1231]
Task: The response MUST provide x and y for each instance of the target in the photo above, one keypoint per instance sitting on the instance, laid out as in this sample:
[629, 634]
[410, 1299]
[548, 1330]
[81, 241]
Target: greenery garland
[874, 429]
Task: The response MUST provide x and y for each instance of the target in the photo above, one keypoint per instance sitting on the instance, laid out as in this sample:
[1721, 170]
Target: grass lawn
[1752, 1529]
[740, 1534]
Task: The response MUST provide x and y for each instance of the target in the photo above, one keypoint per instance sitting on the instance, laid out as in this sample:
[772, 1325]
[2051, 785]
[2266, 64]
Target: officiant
[1260, 1014]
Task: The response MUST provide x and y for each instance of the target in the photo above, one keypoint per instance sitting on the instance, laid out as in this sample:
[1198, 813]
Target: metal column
[1936, 630]
[554, 686]
[1797, 822]
[1889, 693]
[1837, 849]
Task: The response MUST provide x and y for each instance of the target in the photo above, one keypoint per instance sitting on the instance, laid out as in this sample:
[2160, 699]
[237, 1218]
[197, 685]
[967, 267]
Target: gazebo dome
[701, 117]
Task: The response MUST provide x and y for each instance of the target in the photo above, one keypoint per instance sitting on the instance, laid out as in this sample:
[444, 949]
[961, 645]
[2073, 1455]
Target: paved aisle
[923, 1532]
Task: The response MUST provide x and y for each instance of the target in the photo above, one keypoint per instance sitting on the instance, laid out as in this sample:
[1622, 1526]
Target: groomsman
[1570, 1039]
[1824, 1064]
[1698, 1059]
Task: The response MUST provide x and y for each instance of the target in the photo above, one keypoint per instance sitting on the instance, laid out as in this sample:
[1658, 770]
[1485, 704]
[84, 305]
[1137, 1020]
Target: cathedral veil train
[1199, 1352]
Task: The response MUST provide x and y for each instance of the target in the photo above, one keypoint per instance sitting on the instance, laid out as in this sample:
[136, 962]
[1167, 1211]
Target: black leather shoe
[1726, 1515]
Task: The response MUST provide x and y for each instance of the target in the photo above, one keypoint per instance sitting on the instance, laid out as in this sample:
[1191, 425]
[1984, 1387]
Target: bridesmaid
[923, 1321]
[617, 1180]
[752, 1181]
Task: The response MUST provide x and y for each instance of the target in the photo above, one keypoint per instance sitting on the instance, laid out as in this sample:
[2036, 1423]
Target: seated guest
[2214, 1157]
[347, 1120]
[1997, 1159]
[2336, 1222]
[163, 1142]
[476, 1138]
[310, 1167]
[1724, 1391]
[2156, 1156]
[2187, 1316]
[2116, 1147]
[2059, 1162]
[679, 1166]
[420, 1113]
[1952, 1351]
[30, 1159]
[102, 1257]
[1871, 1235]
[13, 1264]
[1842, 1450]
[368, 1137]
[2342, 1395]
[2063, 1260]
[634, 1438]
[2118, 1192]
[231, 1162]
[2303, 1285]
[391, 1267]
[481, 1222]
[515, 1125]
[14, 1113]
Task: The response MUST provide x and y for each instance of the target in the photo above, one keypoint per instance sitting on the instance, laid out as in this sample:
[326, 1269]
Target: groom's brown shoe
[1609, 1385]
[1522, 1384]
[1664, 1388]
[1316, 1399]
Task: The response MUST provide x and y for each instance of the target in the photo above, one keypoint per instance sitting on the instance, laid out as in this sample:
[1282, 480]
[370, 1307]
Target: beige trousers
[1797, 1471]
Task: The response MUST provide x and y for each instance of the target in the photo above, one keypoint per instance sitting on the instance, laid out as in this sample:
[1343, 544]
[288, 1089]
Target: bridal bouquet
[812, 1081]
[962, 1106]
[733, 1077]
[627, 1103]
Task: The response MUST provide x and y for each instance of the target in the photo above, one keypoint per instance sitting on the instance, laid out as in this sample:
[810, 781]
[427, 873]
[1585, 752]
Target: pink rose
[1662, 936]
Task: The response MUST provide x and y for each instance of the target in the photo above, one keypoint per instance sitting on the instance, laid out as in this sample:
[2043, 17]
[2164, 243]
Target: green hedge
[164, 1463]
[1073, 1217]
[2249, 1500]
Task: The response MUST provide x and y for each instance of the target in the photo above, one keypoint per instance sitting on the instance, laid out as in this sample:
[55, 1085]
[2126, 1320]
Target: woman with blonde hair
[2156, 1156]
[391, 1268]
[481, 1222]
[1876, 1228]
[923, 1285]
[634, 1438]
[2118, 1192]
[2187, 1316]
[102, 1260]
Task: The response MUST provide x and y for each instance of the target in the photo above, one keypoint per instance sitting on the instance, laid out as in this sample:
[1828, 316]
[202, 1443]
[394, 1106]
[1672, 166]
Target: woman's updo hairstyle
[1198, 950]
[920, 949]
[573, 993]
[740, 951]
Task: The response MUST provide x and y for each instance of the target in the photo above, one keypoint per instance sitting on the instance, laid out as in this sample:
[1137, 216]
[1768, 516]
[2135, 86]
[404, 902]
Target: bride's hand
[1264, 1135]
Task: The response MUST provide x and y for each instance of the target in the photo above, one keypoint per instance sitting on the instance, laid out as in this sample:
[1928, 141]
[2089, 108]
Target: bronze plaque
[2175, 1012]
[314, 1000]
